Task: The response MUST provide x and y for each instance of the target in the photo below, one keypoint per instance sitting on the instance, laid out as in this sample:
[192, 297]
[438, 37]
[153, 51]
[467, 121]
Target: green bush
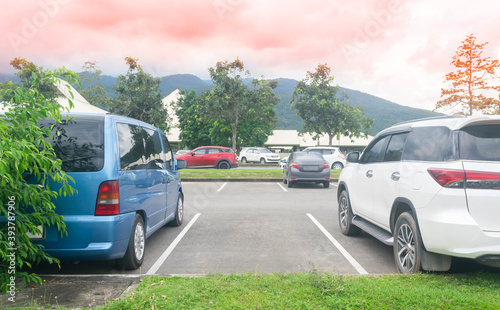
[31, 177]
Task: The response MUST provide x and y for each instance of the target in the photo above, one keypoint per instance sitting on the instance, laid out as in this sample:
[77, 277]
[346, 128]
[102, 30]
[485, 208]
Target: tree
[194, 131]
[27, 71]
[139, 96]
[318, 103]
[231, 102]
[471, 80]
[31, 177]
[94, 90]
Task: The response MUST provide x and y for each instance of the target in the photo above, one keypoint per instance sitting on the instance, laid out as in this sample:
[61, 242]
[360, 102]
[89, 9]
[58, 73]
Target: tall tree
[324, 110]
[194, 131]
[139, 96]
[231, 101]
[94, 91]
[471, 81]
[27, 72]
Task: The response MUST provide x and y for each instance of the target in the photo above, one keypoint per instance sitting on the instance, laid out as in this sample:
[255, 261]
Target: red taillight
[108, 199]
[326, 165]
[482, 180]
[294, 165]
[448, 177]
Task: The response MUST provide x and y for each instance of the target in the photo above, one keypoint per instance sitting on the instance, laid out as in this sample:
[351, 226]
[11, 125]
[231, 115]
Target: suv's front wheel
[407, 244]
[345, 216]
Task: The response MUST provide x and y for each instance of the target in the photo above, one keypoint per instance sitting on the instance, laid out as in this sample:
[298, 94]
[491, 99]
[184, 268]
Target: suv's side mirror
[181, 164]
[353, 157]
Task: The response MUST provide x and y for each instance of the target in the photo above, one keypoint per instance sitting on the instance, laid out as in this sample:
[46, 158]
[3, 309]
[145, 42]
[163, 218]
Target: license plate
[39, 236]
[310, 168]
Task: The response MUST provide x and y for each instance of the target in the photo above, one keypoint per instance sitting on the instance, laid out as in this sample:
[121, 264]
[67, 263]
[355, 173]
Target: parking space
[253, 227]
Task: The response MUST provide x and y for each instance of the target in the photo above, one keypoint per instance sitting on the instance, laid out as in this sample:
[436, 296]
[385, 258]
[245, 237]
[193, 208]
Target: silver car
[306, 167]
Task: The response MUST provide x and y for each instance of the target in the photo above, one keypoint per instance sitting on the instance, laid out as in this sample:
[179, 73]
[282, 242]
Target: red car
[219, 157]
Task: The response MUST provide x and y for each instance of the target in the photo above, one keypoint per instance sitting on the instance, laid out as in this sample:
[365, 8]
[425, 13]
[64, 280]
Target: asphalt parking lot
[234, 227]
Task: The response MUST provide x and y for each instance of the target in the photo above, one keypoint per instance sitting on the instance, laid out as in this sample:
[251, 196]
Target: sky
[398, 50]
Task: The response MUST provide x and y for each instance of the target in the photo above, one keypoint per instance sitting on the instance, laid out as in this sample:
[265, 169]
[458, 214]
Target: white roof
[292, 138]
[64, 91]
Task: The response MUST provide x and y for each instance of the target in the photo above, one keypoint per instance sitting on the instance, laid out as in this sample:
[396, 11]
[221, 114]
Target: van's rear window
[480, 142]
[79, 143]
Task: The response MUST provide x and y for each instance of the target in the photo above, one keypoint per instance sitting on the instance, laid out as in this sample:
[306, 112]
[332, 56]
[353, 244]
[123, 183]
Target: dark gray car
[306, 167]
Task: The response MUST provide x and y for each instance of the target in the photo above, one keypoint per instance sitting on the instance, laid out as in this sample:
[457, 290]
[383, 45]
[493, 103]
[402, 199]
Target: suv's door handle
[395, 176]
[369, 173]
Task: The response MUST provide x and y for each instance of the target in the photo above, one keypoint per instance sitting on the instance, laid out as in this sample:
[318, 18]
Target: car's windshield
[480, 142]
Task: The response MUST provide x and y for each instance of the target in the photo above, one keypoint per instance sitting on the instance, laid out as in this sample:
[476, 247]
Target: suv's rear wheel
[345, 216]
[223, 165]
[407, 244]
[135, 252]
[243, 160]
[262, 160]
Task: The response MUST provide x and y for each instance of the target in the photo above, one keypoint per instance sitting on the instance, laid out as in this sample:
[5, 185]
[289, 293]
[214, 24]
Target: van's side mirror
[181, 164]
[353, 157]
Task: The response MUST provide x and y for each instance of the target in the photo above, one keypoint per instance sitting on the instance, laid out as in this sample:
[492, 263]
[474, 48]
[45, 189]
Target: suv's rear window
[480, 142]
[429, 144]
[79, 143]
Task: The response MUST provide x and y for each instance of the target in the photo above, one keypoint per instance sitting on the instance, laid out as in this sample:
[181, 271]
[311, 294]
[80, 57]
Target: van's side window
[140, 148]
[168, 152]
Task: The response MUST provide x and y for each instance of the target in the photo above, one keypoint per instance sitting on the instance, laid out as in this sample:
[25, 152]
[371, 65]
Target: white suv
[333, 155]
[258, 154]
[431, 189]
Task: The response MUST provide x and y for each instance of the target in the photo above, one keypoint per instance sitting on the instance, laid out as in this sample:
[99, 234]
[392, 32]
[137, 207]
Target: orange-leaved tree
[473, 81]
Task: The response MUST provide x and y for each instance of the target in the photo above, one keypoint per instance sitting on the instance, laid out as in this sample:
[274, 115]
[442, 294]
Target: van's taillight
[472, 179]
[448, 177]
[108, 199]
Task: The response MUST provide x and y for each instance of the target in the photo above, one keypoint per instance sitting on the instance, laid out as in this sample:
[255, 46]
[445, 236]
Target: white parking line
[344, 252]
[172, 246]
[282, 187]
[222, 187]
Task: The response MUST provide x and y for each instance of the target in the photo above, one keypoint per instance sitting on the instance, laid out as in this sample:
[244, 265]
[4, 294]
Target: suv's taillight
[108, 199]
[473, 179]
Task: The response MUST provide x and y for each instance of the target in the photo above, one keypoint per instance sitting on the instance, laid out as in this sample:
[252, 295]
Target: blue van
[128, 187]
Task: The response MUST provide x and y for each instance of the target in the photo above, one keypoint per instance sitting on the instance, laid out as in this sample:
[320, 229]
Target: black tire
[243, 160]
[223, 165]
[136, 246]
[179, 211]
[285, 181]
[262, 160]
[326, 184]
[289, 183]
[406, 248]
[345, 216]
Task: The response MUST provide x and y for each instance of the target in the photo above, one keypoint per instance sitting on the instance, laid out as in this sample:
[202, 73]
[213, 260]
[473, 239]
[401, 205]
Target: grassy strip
[240, 173]
[315, 290]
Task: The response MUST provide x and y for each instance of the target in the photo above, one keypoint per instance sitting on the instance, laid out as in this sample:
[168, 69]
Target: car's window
[429, 144]
[200, 152]
[328, 151]
[265, 151]
[375, 152]
[168, 152]
[79, 143]
[213, 151]
[395, 147]
[140, 148]
[307, 154]
[480, 142]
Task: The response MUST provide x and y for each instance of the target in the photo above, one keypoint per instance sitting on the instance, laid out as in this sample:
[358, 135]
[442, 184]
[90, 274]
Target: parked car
[128, 186]
[283, 162]
[333, 155]
[306, 167]
[180, 152]
[258, 155]
[219, 157]
[431, 189]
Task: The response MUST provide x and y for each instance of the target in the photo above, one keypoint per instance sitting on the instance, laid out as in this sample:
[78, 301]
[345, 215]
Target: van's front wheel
[135, 252]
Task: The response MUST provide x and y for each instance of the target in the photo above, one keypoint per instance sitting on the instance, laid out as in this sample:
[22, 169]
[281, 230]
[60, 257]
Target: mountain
[384, 113]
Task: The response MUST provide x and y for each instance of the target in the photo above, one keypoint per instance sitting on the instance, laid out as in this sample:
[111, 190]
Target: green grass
[240, 173]
[315, 290]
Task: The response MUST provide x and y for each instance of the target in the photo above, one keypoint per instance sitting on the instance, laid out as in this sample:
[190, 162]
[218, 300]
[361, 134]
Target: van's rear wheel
[179, 211]
[135, 252]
